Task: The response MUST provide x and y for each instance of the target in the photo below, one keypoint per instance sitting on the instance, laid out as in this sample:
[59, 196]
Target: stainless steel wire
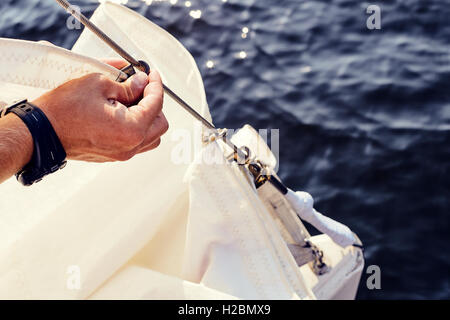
[88, 24]
[135, 63]
[124, 54]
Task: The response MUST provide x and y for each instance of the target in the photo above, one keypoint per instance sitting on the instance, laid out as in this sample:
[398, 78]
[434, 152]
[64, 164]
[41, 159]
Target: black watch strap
[48, 154]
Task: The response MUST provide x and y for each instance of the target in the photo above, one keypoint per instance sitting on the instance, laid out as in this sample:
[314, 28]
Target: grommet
[144, 67]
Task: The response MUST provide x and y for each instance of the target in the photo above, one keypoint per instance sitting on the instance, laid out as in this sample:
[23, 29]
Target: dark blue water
[364, 116]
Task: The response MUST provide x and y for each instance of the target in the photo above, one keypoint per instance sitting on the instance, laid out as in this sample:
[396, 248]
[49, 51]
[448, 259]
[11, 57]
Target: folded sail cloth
[30, 68]
[89, 221]
[303, 203]
[137, 229]
[99, 231]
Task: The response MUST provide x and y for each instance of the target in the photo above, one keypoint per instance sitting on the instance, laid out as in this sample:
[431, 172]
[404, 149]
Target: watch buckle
[4, 110]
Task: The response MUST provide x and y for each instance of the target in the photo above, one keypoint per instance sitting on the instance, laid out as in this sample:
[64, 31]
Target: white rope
[303, 203]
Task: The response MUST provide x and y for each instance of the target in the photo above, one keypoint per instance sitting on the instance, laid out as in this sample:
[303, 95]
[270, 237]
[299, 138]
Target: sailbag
[154, 227]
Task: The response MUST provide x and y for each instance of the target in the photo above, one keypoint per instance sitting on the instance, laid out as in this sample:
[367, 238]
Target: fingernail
[140, 79]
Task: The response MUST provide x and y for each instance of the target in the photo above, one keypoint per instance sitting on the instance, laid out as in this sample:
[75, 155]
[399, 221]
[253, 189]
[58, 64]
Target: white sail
[150, 227]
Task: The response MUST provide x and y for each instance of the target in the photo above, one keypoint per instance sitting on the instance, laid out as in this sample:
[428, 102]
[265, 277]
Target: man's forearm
[95, 118]
[16, 146]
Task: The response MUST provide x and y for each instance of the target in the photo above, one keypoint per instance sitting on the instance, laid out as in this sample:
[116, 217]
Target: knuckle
[156, 143]
[102, 78]
[129, 94]
[164, 126]
[127, 137]
[124, 156]
[102, 81]
[134, 136]
[158, 101]
[94, 79]
[95, 76]
[161, 98]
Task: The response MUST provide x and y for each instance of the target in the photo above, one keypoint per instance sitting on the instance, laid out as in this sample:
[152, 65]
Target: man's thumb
[132, 89]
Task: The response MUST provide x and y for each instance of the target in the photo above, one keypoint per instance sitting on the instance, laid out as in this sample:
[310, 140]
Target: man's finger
[115, 62]
[151, 105]
[153, 135]
[129, 91]
[152, 146]
[155, 84]
[157, 129]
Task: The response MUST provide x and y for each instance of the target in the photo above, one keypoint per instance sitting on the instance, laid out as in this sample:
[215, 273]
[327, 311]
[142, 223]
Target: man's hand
[95, 118]
[92, 120]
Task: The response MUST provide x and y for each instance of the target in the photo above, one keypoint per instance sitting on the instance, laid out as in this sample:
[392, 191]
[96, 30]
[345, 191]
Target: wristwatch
[48, 154]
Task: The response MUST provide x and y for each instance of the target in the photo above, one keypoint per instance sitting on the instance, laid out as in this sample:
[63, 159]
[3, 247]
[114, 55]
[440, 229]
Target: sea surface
[364, 115]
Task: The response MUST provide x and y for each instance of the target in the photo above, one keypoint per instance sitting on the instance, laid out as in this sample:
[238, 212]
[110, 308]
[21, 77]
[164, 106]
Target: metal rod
[189, 109]
[88, 24]
[141, 66]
